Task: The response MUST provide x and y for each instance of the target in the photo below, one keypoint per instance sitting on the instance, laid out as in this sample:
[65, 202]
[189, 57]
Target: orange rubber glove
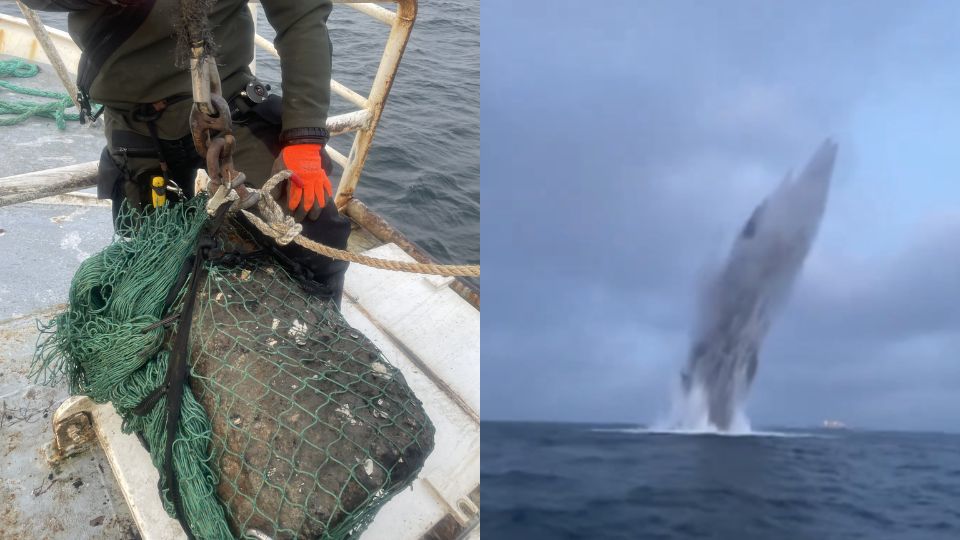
[309, 187]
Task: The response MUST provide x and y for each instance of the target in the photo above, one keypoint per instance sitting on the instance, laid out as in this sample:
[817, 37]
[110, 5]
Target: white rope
[282, 228]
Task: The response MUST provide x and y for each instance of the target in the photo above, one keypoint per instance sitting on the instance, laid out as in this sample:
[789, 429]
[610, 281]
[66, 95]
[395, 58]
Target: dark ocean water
[563, 481]
[423, 173]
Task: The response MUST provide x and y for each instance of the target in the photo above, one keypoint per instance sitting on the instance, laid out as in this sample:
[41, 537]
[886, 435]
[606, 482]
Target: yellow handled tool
[159, 192]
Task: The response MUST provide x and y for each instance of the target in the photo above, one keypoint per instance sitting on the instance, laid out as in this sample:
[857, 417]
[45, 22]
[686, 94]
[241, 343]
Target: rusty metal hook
[212, 128]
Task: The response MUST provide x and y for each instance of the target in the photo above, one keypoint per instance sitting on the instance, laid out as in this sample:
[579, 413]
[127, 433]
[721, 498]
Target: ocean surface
[423, 173]
[575, 481]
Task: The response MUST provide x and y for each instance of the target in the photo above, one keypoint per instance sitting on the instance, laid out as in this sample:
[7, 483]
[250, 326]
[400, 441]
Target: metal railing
[364, 121]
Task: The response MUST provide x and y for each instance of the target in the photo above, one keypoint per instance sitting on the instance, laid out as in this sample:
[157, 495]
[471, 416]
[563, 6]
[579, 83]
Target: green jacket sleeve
[305, 59]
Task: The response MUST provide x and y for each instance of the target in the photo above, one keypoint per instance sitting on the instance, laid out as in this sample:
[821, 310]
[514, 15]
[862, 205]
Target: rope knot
[274, 223]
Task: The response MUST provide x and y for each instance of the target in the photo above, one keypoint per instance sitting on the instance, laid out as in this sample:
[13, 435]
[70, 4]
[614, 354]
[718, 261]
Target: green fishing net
[293, 424]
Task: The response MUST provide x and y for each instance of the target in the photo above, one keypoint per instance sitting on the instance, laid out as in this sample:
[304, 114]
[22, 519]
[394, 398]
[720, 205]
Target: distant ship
[834, 424]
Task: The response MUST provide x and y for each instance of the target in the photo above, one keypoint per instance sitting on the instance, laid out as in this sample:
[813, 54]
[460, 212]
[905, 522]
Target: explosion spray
[738, 304]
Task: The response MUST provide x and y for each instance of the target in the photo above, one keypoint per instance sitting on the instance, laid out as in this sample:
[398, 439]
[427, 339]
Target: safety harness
[149, 114]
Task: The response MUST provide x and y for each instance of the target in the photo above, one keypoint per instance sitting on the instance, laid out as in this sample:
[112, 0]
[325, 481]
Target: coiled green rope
[18, 68]
[17, 112]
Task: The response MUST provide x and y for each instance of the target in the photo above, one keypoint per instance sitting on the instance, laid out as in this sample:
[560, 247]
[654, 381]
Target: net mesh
[293, 423]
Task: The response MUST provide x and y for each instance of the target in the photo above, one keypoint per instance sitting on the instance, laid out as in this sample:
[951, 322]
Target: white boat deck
[41, 243]
[78, 498]
[37, 144]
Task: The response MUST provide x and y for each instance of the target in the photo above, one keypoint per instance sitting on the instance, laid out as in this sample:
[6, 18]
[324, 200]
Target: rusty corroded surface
[72, 436]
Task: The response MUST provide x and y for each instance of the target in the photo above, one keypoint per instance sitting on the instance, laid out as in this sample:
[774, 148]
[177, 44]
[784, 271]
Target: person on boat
[130, 64]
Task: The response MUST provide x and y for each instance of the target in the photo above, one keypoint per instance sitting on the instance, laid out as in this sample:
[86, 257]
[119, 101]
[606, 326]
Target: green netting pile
[293, 424]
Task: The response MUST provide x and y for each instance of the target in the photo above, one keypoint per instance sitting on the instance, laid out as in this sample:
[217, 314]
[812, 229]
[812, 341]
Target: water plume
[740, 300]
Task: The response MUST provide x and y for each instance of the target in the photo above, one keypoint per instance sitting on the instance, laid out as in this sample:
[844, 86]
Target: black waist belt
[151, 112]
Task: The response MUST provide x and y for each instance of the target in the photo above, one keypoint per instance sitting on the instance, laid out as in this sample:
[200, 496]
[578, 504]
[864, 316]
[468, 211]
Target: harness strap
[150, 113]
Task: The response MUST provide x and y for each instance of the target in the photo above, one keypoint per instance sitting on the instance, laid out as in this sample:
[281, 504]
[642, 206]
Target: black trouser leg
[331, 229]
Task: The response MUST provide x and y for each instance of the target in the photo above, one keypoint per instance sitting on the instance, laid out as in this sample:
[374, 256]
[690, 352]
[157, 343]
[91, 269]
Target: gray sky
[624, 146]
